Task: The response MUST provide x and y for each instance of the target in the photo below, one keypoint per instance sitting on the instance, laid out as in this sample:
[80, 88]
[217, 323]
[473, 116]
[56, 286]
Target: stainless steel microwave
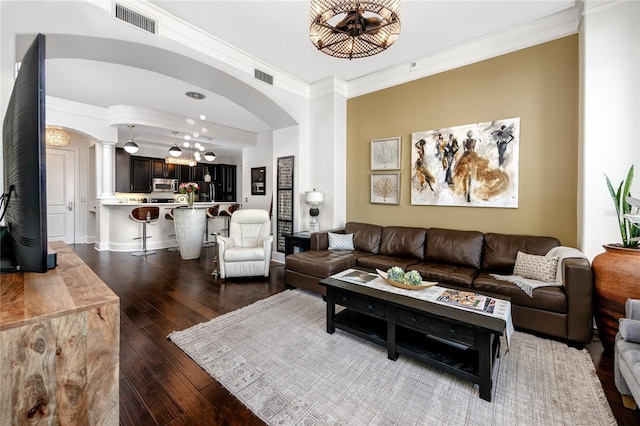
[164, 185]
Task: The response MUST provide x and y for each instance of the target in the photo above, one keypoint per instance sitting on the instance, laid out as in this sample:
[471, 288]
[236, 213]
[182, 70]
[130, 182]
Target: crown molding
[329, 86]
[545, 29]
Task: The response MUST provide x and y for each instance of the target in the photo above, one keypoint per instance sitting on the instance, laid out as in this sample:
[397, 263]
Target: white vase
[189, 224]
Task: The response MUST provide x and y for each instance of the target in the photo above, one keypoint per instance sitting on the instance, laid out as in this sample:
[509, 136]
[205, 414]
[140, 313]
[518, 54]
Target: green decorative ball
[395, 274]
[412, 278]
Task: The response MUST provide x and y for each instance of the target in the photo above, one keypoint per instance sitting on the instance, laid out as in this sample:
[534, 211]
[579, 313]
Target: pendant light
[175, 150]
[131, 147]
[209, 155]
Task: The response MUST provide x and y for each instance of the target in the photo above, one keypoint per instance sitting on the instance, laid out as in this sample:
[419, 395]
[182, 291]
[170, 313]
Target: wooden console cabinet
[59, 346]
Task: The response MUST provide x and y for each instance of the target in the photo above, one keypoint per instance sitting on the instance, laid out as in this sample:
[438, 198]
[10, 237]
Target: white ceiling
[276, 33]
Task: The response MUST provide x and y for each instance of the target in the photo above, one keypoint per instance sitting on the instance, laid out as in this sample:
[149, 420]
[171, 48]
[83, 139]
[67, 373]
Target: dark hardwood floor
[159, 384]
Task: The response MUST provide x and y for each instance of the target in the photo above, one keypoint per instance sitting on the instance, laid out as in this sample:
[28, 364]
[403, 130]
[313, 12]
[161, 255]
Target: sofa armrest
[632, 308]
[320, 240]
[578, 285]
[629, 329]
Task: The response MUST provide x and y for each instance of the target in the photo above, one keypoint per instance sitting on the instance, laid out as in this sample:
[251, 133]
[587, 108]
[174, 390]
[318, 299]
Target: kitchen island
[117, 231]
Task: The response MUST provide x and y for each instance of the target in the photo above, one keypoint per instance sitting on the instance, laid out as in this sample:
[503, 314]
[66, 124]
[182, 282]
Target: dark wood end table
[302, 240]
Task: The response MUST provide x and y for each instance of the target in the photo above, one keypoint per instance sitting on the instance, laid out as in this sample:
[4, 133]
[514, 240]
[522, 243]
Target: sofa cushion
[541, 268]
[445, 273]
[340, 241]
[500, 250]
[552, 299]
[383, 262]
[366, 237]
[322, 263]
[454, 247]
[402, 241]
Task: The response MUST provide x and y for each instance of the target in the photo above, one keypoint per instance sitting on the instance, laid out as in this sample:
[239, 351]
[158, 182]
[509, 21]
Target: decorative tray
[425, 284]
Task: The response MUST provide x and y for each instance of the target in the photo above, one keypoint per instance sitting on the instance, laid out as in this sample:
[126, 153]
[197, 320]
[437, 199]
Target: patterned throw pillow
[340, 241]
[539, 268]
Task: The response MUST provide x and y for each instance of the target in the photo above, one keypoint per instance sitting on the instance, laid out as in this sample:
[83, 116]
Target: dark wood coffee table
[457, 341]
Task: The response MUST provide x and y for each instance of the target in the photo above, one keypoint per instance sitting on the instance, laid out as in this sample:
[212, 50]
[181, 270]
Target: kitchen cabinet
[140, 174]
[123, 170]
[160, 169]
[226, 174]
[136, 173]
[197, 172]
[183, 174]
[191, 174]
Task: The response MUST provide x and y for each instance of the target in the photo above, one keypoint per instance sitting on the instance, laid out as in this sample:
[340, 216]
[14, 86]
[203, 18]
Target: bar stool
[212, 213]
[144, 215]
[227, 216]
[169, 216]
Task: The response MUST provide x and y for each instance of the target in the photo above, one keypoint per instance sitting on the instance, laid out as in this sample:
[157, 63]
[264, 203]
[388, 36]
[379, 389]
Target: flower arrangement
[395, 274]
[189, 187]
[627, 210]
[398, 275]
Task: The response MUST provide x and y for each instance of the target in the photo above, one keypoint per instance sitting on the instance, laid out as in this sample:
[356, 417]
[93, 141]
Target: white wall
[610, 115]
[260, 156]
[328, 152]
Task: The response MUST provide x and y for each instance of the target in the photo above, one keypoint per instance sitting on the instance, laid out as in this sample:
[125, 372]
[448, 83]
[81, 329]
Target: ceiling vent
[135, 19]
[263, 76]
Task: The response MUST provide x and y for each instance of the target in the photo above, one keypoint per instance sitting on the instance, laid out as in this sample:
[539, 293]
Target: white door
[61, 195]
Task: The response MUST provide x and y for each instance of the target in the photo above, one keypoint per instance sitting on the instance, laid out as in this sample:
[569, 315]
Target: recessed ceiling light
[195, 95]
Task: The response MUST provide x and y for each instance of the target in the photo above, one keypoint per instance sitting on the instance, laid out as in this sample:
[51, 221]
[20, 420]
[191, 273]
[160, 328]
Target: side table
[302, 240]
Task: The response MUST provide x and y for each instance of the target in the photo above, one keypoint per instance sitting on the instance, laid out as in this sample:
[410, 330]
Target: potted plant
[617, 271]
[625, 206]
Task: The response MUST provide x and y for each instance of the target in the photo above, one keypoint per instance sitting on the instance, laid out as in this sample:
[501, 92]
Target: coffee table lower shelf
[456, 359]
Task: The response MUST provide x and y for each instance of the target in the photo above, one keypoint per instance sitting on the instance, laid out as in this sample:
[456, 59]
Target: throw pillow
[340, 241]
[539, 268]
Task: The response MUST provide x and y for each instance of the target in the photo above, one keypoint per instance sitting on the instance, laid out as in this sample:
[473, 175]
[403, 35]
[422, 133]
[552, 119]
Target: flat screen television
[24, 199]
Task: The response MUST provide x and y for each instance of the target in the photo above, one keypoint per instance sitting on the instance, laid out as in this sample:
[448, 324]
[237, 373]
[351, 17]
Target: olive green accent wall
[538, 84]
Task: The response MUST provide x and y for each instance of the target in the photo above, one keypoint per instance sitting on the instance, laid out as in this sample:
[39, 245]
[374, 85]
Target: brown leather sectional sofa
[460, 258]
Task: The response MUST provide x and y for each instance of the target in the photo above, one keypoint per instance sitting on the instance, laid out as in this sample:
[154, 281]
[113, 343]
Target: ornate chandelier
[354, 29]
[56, 137]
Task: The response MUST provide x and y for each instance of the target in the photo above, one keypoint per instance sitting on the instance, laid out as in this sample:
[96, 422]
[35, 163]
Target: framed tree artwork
[385, 188]
[385, 154]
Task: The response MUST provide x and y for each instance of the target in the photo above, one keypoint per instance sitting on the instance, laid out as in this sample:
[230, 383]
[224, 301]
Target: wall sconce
[314, 199]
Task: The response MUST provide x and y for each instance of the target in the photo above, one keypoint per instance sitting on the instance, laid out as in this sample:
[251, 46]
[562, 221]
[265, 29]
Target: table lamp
[314, 199]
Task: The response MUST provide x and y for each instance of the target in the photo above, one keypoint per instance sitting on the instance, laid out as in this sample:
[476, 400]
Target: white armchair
[246, 252]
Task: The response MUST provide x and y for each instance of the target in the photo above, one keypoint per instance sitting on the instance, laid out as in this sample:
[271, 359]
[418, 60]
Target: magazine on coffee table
[356, 276]
[468, 299]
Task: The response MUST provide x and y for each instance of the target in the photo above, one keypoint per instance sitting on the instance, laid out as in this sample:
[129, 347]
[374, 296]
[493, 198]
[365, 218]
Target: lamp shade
[314, 198]
[131, 147]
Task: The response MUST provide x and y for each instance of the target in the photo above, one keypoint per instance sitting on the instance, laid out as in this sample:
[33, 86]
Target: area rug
[277, 358]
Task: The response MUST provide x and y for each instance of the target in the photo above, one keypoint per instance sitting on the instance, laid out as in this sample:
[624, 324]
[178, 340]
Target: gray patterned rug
[276, 357]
